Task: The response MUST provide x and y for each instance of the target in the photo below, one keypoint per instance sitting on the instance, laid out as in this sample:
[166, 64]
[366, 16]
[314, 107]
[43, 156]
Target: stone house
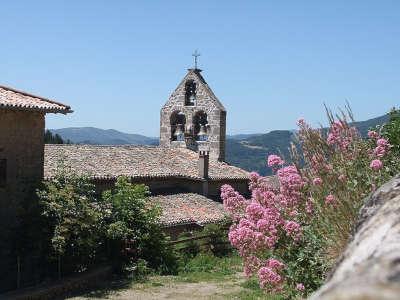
[22, 125]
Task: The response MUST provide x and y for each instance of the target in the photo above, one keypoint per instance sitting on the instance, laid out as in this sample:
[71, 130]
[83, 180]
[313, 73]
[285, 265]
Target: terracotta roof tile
[14, 99]
[188, 209]
[102, 162]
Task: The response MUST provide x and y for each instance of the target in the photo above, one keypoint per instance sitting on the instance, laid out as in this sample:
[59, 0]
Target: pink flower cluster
[376, 165]
[381, 149]
[234, 203]
[259, 223]
[341, 135]
[269, 276]
[274, 161]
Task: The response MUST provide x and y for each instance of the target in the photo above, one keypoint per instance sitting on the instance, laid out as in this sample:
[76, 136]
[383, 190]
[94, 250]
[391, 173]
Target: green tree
[134, 230]
[50, 138]
[75, 218]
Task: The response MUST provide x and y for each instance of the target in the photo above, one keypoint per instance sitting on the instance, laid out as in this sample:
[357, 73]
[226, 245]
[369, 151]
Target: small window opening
[178, 122]
[190, 93]
[201, 127]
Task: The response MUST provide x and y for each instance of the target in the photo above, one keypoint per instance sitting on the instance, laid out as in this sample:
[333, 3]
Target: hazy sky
[269, 62]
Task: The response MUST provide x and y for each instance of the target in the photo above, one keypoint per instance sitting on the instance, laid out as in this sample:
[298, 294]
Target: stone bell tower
[193, 116]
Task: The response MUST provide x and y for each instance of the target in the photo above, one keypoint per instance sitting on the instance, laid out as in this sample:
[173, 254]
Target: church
[184, 173]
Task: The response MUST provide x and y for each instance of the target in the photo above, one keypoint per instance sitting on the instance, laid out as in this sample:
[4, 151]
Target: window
[200, 125]
[3, 172]
[190, 92]
[178, 122]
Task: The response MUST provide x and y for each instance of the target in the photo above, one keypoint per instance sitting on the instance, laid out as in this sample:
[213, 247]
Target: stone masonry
[205, 106]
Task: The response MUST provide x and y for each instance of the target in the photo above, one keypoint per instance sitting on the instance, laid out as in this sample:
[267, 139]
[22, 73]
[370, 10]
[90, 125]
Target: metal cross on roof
[196, 54]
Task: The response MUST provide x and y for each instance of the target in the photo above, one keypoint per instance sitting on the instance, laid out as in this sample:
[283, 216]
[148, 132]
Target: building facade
[193, 116]
[22, 126]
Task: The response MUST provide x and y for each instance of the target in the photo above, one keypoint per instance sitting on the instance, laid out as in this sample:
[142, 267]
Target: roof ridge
[101, 145]
[33, 96]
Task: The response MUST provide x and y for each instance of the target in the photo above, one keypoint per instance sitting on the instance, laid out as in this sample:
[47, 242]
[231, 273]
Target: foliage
[133, 228]
[190, 248]
[218, 241]
[391, 130]
[289, 235]
[50, 138]
[75, 218]
[122, 225]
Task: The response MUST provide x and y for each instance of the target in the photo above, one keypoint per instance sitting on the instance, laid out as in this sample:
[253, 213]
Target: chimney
[203, 164]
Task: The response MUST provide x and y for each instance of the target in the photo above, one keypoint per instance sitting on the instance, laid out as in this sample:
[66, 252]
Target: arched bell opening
[200, 126]
[190, 93]
[178, 122]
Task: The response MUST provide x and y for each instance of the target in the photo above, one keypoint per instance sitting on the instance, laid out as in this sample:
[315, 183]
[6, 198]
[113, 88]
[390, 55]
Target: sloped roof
[13, 99]
[188, 208]
[197, 73]
[108, 162]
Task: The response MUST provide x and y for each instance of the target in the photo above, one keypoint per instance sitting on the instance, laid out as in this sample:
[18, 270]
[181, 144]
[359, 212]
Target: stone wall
[180, 185]
[22, 146]
[370, 266]
[205, 102]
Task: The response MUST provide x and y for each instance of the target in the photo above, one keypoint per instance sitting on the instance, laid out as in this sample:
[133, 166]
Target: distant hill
[91, 135]
[250, 153]
[242, 136]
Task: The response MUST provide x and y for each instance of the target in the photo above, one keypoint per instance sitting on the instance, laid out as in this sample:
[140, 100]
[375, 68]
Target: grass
[221, 277]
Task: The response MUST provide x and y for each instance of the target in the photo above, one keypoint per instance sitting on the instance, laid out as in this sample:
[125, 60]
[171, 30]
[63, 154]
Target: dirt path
[167, 287]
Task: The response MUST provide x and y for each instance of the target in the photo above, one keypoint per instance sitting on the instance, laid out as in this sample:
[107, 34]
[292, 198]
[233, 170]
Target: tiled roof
[14, 99]
[103, 162]
[188, 209]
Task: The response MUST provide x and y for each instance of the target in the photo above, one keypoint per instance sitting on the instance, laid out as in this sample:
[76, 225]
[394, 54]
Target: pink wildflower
[376, 165]
[380, 151]
[301, 122]
[300, 287]
[382, 142]
[309, 205]
[342, 178]
[317, 181]
[372, 134]
[269, 278]
[275, 161]
[293, 229]
[330, 199]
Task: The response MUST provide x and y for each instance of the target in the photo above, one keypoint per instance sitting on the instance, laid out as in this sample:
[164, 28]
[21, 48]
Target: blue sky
[269, 62]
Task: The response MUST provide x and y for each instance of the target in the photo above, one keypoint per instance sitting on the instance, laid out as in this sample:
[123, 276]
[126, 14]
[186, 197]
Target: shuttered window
[3, 172]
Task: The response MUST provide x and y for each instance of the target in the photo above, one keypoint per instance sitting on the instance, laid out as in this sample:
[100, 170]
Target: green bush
[75, 220]
[190, 248]
[133, 229]
[218, 240]
[391, 130]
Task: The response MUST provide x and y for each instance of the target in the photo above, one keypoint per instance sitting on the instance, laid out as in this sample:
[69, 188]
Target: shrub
[190, 248]
[391, 130]
[218, 240]
[290, 234]
[75, 219]
[133, 228]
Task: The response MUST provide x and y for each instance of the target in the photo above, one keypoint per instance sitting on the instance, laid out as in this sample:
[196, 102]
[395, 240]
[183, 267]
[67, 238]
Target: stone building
[22, 125]
[193, 116]
[187, 167]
